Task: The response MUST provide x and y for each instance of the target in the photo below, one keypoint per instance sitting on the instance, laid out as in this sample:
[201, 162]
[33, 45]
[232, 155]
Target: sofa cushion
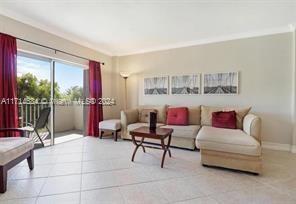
[161, 112]
[206, 114]
[133, 126]
[189, 131]
[13, 147]
[177, 116]
[144, 116]
[224, 119]
[228, 140]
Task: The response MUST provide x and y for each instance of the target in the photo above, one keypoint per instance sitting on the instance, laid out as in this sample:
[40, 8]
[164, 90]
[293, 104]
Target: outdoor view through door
[35, 91]
[68, 118]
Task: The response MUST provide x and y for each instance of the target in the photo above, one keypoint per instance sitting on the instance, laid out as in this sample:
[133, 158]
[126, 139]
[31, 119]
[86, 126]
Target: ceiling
[121, 27]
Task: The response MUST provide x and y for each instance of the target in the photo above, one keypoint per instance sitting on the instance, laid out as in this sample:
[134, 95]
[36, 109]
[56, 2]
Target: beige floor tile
[22, 189]
[212, 184]
[145, 193]
[99, 180]
[102, 196]
[132, 176]
[13, 171]
[202, 200]
[260, 195]
[75, 157]
[20, 201]
[286, 187]
[96, 166]
[69, 198]
[122, 163]
[61, 184]
[179, 189]
[39, 171]
[273, 173]
[66, 169]
[44, 159]
[90, 170]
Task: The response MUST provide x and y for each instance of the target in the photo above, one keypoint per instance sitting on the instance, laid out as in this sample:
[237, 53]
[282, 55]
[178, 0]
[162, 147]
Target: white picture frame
[156, 85]
[185, 84]
[221, 83]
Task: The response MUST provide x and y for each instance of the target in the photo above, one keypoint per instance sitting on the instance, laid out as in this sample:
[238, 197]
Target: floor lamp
[125, 75]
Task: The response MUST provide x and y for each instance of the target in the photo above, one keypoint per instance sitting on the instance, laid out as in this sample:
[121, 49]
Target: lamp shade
[124, 74]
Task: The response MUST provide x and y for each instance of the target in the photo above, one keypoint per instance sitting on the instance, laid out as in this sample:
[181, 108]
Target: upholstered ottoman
[13, 150]
[110, 125]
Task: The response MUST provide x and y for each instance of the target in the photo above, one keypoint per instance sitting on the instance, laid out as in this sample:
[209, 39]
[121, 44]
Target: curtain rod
[56, 50]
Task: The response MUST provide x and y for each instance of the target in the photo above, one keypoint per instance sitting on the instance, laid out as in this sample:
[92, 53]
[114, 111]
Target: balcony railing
[29, 113]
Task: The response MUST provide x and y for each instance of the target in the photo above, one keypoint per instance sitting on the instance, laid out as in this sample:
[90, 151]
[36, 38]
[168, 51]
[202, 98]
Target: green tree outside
[30, 87]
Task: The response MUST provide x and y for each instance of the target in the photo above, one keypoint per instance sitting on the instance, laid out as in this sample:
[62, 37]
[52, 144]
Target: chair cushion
[110, 124]
[177, 116]
[133, 126]
[189, 131]
[224, 119]
[228, 140]
[144, 115]
[13, 147]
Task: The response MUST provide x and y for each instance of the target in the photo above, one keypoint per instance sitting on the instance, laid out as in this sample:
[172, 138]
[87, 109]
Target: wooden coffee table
[159, 134]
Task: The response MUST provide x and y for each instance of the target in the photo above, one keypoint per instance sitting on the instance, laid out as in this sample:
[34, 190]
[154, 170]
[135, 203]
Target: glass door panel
[68, 112]
[34, 94]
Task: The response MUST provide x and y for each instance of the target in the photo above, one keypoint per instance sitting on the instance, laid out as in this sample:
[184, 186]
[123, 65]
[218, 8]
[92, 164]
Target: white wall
[265, 66]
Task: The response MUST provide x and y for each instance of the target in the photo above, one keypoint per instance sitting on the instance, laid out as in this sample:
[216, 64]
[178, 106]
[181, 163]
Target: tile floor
[89, 170]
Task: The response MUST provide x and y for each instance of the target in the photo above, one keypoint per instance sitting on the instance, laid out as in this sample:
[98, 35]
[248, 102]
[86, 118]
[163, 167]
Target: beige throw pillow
[145, 115]
[206, 114]
[161, 112]
[194, 115]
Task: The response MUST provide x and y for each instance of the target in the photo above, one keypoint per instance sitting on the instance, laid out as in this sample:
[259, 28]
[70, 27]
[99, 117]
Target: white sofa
[231, 148]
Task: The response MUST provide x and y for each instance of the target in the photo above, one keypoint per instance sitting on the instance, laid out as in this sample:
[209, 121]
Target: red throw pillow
[223, 119]
[177, 116]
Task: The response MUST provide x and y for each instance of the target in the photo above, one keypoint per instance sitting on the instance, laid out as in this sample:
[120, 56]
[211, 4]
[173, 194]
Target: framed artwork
[158, 85]
[185, 84]
[220, 83]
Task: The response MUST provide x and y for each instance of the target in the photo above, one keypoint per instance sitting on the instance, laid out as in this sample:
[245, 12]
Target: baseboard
[277, 146]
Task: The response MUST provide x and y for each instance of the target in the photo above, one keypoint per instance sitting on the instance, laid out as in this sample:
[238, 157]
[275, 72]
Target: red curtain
[8, 84]
[95, 114]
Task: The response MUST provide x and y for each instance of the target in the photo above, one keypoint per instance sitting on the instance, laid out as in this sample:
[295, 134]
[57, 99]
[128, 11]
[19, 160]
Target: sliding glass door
[50, 94]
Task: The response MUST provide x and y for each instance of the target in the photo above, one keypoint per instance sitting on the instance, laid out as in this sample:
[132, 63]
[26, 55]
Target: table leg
[164, 152]
[166, 148]
[137, 146]
[168, 145]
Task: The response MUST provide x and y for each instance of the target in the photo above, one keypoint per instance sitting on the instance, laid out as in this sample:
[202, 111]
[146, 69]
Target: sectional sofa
[231, 148]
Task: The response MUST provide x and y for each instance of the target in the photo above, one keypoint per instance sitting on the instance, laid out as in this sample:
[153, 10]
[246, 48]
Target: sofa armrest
[252, 126]
[128, 117]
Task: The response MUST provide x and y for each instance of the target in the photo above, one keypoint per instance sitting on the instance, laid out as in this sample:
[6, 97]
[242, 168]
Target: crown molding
[23, 19]
[272, 31]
